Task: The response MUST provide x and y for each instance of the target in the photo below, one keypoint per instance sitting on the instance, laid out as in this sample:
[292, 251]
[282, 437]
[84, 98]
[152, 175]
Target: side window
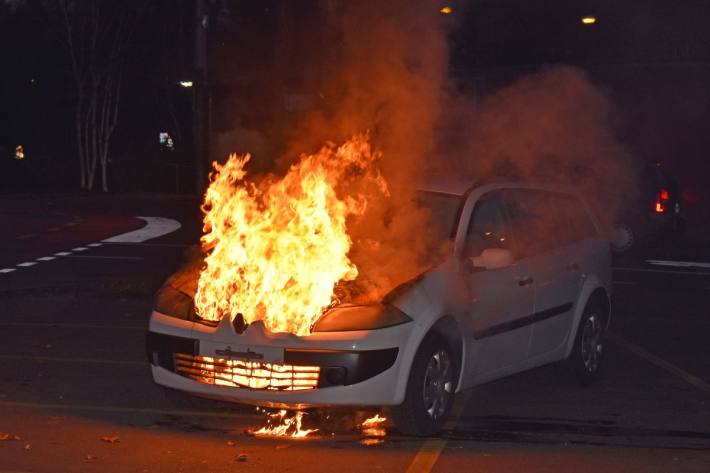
[488, 227]
[574, 222]
[543, 221]
[535, 229]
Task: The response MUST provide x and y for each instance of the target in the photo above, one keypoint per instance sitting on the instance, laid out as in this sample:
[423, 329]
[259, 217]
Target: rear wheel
[586, 358]
[430, 389]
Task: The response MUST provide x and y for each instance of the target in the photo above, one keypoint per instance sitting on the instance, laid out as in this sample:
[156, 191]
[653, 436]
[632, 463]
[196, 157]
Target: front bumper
[356, 368]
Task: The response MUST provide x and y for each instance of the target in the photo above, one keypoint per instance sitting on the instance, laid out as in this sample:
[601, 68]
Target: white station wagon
[527, 282]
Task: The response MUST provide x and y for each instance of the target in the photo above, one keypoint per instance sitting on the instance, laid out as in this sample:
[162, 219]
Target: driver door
[500, 299]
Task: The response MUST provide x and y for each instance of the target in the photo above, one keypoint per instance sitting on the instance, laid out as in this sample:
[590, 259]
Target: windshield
[444, 211]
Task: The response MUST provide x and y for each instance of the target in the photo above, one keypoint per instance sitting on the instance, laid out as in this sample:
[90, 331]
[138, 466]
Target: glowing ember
[277, 249]
[286, 426]
[372, 427]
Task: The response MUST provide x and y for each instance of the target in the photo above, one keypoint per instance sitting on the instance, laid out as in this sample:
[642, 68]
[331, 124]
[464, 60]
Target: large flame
[276, 250]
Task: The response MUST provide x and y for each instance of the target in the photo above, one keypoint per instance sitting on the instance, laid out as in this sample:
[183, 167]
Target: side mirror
[493, 258]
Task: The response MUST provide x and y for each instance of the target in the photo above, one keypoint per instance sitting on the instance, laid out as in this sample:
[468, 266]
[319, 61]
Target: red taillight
[663, 196]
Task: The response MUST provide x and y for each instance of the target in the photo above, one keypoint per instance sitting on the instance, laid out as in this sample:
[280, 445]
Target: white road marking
[73, 326]
[155, 227]
[664, 271]
[678, 264]
[166, 245]
[106, 257]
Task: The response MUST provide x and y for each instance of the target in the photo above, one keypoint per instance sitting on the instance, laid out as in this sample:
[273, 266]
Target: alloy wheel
[438, 384]
[592, 344]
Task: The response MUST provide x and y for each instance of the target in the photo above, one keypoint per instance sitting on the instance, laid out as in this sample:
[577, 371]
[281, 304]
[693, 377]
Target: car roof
[447, 184]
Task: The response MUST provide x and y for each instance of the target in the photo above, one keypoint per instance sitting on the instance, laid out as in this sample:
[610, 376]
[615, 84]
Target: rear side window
[544, 220]
[573, 221]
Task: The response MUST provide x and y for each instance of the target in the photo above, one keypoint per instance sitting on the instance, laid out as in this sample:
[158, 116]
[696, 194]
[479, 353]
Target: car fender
[591, 284]
[426, 311]
[422, 328]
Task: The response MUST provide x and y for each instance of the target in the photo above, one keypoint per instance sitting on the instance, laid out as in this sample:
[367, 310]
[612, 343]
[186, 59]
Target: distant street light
[589, 20]
[447, 10]
[186, 83]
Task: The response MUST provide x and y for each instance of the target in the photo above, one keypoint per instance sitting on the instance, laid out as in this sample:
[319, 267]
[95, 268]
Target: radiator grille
[247, 374]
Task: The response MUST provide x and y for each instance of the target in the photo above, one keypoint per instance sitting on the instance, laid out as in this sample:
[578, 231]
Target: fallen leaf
[111, 439]
[231, 443]
[242, 457]
[6, 436]
[89, 457]
[28, 447]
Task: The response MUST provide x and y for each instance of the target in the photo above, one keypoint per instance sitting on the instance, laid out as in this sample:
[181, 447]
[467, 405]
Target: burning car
[521, 278]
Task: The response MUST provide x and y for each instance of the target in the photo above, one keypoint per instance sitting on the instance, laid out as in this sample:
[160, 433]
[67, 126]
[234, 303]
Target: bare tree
[95, 34]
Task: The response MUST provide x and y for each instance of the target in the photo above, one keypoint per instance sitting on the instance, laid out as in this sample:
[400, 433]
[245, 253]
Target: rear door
[551, 234]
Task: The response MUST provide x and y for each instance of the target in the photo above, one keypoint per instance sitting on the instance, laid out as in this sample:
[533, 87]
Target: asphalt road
[76, 391]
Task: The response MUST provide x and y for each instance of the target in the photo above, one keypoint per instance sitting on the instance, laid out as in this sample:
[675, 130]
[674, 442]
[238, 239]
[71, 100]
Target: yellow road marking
[661, 363]
[72, 360]
[431, 450]
[116, 409]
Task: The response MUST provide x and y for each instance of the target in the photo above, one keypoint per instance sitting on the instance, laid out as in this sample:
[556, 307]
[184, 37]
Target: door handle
[572, 267]
[525, 281]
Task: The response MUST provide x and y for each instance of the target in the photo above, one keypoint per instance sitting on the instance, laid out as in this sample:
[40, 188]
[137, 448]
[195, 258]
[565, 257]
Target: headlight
[360, 317]
[170, 301]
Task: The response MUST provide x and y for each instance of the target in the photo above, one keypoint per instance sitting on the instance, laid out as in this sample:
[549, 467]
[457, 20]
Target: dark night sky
[653, 56]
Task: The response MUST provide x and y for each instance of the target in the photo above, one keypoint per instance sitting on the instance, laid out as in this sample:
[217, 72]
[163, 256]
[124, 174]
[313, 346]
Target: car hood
[185, 279]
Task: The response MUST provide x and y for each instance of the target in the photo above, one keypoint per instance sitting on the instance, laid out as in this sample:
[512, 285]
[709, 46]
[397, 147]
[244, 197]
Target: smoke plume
[390, 77]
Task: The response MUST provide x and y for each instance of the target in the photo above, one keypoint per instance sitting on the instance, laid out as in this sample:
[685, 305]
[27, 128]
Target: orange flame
[286, 427]
[277, 249]
[372, 427]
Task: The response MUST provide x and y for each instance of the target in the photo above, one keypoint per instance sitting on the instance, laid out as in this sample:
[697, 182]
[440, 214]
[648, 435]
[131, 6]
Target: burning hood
[275, 250]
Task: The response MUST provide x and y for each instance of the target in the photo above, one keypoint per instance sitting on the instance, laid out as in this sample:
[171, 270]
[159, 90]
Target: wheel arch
[448, 329]
[595, 292]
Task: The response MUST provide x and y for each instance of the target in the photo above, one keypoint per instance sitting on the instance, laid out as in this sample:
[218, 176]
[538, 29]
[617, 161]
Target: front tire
[585, 361]
[430, 389]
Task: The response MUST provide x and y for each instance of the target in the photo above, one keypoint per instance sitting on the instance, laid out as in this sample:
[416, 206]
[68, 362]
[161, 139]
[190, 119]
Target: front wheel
[587, 353]
[430, 389]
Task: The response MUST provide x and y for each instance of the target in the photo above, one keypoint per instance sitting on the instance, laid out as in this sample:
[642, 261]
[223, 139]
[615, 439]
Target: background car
[526, 281]
[654, 213]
